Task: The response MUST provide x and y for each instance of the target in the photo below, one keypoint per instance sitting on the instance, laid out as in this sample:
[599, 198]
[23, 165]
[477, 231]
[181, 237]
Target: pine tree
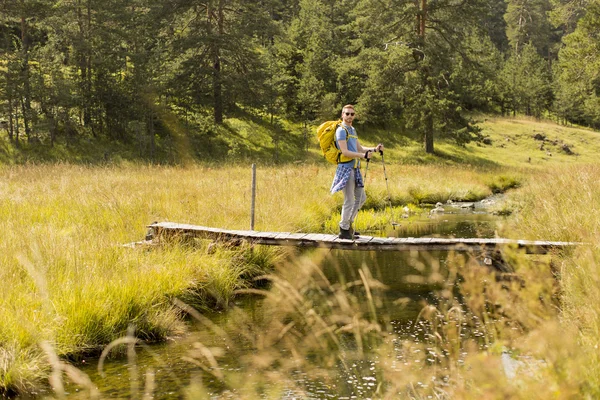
[578, 72]
[217, 53]
[431, 43]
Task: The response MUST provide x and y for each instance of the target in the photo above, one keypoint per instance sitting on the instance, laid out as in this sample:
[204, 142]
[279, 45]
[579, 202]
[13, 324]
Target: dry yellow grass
[66, 280]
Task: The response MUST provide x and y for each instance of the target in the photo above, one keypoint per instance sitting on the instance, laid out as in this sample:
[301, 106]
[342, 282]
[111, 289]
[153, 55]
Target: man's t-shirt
[350, 138]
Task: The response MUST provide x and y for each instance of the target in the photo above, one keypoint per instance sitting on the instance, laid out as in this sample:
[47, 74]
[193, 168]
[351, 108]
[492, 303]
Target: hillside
[515, 142]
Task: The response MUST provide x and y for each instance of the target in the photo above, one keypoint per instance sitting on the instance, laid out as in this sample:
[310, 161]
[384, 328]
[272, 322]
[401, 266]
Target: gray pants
[354, 198]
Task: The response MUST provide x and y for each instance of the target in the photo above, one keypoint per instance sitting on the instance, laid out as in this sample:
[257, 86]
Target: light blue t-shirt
[350, 138]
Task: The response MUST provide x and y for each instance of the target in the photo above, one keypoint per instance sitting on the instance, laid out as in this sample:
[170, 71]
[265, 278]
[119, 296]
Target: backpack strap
[336, 144]
[347, 135]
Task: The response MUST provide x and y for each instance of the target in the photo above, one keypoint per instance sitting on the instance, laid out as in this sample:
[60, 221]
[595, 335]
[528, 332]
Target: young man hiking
[347, 175]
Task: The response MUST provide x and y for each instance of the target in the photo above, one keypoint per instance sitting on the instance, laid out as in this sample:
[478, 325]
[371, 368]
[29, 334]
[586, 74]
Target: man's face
[348, 115]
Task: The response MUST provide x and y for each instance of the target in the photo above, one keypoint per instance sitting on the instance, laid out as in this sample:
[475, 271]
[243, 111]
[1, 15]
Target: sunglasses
[349, 114]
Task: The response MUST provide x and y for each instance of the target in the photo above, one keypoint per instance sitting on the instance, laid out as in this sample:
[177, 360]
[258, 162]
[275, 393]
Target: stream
[172, 372]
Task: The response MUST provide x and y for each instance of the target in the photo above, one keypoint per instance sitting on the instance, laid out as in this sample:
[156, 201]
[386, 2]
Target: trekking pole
[365, 180]
[388, 192]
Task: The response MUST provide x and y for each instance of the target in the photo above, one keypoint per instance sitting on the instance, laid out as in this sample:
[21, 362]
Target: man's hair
[348, 106]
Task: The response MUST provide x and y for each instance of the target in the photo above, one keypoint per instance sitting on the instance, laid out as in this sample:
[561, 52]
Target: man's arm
[362, 149]
[362, 153]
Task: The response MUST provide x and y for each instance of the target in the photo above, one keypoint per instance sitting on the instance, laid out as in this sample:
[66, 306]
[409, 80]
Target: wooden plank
[378, 241]
[330, 238]
[361, 243]
[269, 235]
[250, 235]
[327, 241]
[362, 240]
[235, 233]
[317, 237]
[423, 240]
[296, 236]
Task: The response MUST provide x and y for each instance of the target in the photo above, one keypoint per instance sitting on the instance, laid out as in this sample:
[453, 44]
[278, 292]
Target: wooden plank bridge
[169, 229]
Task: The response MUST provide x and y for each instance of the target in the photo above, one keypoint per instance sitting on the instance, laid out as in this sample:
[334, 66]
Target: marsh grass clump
[317, 335]
[20, 368]
[312, 334]
[66, 279]
[561, 205]
[501, 183]
[481, 335]
[229, 269]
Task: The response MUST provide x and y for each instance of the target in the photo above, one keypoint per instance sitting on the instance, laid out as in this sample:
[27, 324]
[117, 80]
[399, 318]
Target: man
[347, 176]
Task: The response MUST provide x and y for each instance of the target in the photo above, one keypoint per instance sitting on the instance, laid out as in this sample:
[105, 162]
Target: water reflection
[412, 275]
[481, 225]
[408, 287]
[411, 280]
[460, 220]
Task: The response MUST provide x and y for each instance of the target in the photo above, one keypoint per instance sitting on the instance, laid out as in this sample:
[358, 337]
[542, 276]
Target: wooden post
[253, 197]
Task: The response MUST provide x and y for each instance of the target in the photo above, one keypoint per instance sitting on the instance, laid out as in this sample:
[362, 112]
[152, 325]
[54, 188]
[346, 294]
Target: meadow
[70, 287]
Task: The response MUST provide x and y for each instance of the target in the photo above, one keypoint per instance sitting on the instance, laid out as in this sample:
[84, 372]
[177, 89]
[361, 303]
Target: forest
[118, 113]
[135, 71]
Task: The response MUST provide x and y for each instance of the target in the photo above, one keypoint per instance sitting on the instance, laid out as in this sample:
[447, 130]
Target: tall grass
[563, 205]
[66, 279]
[317, 337]
[530, 336]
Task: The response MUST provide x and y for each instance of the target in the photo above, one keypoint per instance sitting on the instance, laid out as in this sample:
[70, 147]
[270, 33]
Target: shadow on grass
[266, 141]
[391, 137]
[459, 156]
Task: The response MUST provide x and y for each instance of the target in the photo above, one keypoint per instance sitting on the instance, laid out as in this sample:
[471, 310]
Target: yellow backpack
[326, 136]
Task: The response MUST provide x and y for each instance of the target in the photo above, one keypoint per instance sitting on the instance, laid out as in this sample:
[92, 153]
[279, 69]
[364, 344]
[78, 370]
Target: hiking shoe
[345, 234]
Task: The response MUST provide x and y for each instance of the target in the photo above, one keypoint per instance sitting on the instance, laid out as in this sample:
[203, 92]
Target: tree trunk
[217, 89]
[150, 130]
[25, 120]
[26, 97]
[50, 115]
[429, 133]
[421, 24]
[87, 118]
[11, 125]
[17, 126]
[84, 62]
[217, 82]
[217, 16]
[423, 19]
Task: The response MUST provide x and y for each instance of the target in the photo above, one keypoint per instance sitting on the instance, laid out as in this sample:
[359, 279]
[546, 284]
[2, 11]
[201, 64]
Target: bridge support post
[253, 197]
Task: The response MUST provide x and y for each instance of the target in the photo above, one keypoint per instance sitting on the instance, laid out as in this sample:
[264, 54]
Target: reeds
[66, 279]
[487, 335]
[563, 205]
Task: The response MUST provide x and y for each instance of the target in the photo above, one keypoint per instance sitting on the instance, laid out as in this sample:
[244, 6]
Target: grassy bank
[564, 204]
[533, 335]
[67, 280]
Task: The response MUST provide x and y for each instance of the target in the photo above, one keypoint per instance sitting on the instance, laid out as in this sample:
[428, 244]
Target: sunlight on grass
[66, 280]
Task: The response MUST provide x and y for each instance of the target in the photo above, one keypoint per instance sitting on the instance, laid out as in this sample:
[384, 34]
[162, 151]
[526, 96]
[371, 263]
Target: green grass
[67, 280]
[546, 317]
[512, 145]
